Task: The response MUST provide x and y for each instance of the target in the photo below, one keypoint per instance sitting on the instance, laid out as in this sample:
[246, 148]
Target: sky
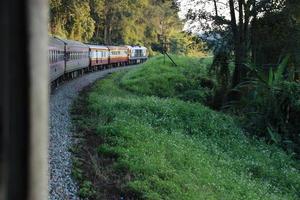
[206, 5]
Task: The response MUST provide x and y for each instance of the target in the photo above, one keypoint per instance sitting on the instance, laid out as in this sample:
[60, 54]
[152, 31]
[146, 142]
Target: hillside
[145, 140]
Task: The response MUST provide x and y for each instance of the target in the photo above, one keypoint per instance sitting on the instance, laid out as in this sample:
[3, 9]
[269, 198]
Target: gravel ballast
[61, 184]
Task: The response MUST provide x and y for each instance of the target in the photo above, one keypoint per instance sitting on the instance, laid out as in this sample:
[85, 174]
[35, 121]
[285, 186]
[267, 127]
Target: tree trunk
[240, 37]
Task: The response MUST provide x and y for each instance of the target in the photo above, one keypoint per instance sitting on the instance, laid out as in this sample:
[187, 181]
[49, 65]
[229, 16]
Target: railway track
[61, 184]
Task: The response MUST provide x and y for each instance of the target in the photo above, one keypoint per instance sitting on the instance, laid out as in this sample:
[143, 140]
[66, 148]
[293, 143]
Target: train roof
[136, 47]
[73, 43]
[118, 47]
[55, 41]
[97, 46]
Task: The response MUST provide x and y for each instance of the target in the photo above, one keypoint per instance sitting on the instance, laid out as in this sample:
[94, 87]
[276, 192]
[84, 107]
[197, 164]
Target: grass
[187, 81]
[174, 149]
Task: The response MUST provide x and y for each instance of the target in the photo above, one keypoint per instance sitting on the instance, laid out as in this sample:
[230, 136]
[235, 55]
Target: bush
[166, 80]
[270, 108]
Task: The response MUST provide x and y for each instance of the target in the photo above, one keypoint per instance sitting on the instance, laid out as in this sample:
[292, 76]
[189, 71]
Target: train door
[97, 57]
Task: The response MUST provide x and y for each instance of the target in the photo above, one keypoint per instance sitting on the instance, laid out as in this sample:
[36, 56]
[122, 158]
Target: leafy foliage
[121, 22]
[71, 19]
[270, 107]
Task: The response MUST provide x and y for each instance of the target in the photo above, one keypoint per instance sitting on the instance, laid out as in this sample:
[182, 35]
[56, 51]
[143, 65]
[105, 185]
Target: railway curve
[61, 184]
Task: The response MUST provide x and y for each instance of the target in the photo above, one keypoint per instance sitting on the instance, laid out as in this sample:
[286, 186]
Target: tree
[236, 16]
[115, 22]
[71, 19]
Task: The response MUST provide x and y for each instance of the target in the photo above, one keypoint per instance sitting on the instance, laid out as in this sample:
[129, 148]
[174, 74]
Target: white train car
[137, 54]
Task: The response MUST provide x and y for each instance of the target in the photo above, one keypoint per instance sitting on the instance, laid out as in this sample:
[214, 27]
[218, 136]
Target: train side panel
[56, 58]
[77, 56]
[99, 55]
[118, 54]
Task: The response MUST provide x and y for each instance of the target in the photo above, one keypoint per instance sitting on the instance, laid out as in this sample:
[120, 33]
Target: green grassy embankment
[155, 145]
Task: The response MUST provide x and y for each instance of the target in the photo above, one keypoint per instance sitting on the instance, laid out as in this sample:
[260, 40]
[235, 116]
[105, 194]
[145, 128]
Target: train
[69, 59]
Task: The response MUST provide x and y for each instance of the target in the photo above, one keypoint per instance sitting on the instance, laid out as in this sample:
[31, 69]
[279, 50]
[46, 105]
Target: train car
[56, 49]
[99, 56]
[77, 57]
[137, 54]
[118, 55]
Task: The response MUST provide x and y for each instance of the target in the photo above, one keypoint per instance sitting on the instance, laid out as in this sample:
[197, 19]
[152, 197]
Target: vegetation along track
[147, 134]
[61, 185]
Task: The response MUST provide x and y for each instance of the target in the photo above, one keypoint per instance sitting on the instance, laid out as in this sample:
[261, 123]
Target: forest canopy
[133, 22]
